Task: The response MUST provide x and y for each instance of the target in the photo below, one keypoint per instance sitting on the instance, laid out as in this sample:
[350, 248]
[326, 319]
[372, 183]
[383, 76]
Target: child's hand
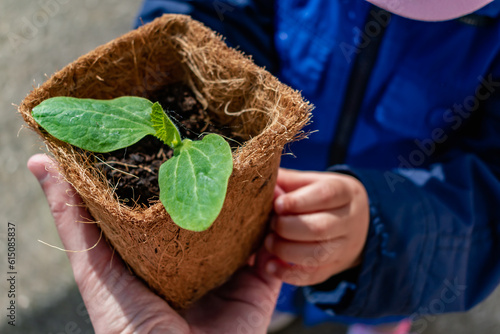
[320, 226]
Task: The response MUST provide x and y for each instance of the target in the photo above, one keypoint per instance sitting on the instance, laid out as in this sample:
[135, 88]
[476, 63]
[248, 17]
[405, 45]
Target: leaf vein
[115, 116]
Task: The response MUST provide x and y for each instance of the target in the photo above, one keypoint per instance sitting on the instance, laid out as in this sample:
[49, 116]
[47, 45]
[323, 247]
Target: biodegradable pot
[180, 265]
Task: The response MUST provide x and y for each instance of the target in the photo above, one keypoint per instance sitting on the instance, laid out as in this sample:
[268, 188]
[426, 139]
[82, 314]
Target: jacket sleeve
[247, 25]
[434, 238]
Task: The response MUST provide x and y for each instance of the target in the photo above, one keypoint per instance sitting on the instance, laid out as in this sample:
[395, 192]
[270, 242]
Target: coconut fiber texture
[180, 265]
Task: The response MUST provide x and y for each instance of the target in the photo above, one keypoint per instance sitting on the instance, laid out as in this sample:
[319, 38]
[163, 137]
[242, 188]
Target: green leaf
[165, 129]
[96, 125]
[193, 183]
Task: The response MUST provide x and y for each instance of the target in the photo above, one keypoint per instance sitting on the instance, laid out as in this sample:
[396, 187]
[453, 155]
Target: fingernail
[271, 267]
[279, 205]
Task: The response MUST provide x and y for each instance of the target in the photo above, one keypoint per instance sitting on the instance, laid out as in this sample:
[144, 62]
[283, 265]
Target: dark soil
[133, 171]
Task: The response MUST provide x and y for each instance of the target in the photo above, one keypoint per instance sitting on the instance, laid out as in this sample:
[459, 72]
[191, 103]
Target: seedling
[193, 182]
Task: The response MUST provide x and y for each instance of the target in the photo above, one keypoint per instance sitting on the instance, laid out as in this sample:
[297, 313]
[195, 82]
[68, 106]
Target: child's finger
[317, 226]
[327, 194]
[290, 180]
[298, 275]
[309, 254]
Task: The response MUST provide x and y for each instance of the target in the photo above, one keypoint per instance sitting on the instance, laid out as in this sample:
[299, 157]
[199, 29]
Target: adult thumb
[71, 217]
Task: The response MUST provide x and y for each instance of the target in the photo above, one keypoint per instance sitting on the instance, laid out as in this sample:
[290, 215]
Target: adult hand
[320, 226]
[118, 302]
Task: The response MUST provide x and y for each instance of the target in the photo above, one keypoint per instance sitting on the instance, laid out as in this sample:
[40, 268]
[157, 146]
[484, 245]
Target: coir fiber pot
[180, 265]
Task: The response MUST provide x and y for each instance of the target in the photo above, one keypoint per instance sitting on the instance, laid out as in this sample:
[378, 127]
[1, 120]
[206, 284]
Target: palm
[118, 302]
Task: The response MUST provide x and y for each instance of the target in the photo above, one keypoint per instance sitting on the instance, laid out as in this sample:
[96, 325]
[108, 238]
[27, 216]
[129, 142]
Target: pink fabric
[402, 327]
[431, 10]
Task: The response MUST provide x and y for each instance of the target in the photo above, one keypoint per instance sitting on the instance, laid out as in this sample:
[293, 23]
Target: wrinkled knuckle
[322, 253]
[58, 209]
[318, 229]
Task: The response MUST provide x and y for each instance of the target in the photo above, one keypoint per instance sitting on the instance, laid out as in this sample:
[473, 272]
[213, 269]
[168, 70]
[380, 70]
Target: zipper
[358, 81]
[477, 20]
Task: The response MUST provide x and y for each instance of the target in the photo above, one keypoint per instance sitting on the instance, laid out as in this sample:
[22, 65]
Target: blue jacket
[426, 142]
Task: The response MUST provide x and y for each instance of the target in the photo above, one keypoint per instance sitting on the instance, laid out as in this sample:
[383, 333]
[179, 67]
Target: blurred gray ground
[38, 38]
